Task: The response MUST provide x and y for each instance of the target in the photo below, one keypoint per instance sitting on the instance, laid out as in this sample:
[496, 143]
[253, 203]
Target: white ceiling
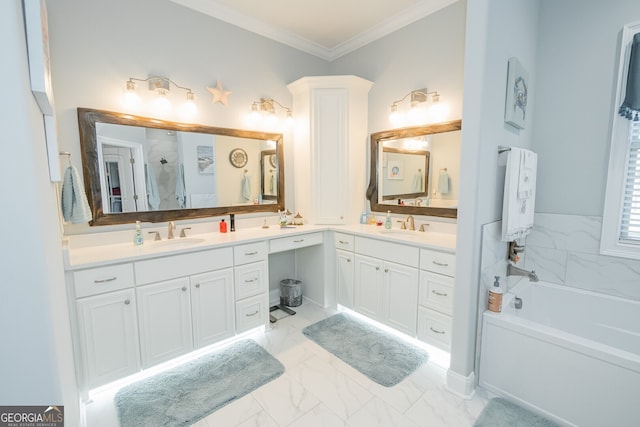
[324, 28]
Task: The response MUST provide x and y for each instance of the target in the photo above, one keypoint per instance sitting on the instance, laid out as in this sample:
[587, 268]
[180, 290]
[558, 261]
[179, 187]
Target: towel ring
[68, 154]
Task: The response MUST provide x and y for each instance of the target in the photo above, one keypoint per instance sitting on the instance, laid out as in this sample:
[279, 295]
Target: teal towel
[245, 192]
[75, 207]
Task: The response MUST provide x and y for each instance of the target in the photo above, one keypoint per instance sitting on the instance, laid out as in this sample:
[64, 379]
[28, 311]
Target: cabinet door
[109, 336]
[165, 320]
[400, 297]
[368, 286]
[344, 278]
[212, 307]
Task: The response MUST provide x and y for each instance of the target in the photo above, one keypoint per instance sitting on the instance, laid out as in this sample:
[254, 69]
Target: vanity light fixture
[265, 111]
[161, 86]
[418, 113]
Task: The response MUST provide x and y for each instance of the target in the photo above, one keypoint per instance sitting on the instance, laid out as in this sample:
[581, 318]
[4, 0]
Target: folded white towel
[181, 192]
[517, 211]
[75, 207]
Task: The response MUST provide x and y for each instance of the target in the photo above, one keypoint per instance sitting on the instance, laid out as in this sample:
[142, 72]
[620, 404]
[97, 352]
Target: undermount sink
[179, 242]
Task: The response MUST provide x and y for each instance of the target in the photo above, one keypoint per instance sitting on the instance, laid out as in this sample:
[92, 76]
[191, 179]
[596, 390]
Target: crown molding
[394, 23]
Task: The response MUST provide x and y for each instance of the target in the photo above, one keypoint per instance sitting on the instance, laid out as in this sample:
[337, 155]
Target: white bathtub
[572, 355]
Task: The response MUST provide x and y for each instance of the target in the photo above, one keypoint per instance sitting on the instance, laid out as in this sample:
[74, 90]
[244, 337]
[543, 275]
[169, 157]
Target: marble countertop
[108, 248]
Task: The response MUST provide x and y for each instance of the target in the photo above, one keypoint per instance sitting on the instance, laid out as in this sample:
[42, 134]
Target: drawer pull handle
[298, 241]
[436, 331]
[251, 280]
[252, 314]
[440, 294]
[342, 242]
[197, 285]
[127, 302]
[110, 279]
[441, 264]
[184, 288]
[251, 253]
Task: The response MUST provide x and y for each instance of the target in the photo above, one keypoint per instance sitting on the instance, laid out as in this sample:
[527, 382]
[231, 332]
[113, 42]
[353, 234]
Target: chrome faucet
[512, 270]
[172, 227]
[412, 224]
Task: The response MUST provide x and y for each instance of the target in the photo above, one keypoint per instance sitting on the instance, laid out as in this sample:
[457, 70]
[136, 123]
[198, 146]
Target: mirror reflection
[415, 170]
[144, 169]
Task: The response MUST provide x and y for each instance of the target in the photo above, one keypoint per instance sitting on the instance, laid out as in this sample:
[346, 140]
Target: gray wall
[36, 367]
[578, 53]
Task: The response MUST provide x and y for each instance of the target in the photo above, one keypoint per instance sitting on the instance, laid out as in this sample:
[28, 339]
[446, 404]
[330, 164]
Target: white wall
[36, 366]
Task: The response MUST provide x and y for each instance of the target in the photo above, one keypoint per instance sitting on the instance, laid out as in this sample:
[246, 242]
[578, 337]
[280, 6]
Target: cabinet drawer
[344, 241]
[438, 262]
[251, 313]
[434, 328]
[394, 252]
[171, 267]
[103, 279]
[436, 292]
[250, 279]
[295, 242]
[244, 254]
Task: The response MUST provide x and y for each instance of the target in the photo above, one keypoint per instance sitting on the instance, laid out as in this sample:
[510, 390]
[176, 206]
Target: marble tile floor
[318, 389]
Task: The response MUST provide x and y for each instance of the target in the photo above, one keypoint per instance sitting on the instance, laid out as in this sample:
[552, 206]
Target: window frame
[610, 243]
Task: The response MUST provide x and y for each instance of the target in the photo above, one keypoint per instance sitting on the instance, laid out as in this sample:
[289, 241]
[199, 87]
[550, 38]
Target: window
[621, 214]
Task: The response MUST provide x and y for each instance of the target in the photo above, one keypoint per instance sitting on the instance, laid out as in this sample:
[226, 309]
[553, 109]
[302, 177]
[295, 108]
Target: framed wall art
[515, 111]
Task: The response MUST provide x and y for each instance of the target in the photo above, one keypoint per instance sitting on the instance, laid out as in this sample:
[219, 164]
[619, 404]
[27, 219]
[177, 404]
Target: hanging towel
[443, 182]
[245, 188]
[417, 183]
[75, 207]
[181, 192]
[519, 194]
[273, 187]
[153, 196]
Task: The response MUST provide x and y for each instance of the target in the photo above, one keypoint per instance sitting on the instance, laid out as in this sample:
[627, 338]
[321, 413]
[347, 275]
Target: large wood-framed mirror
[415, 170]
[143, 169]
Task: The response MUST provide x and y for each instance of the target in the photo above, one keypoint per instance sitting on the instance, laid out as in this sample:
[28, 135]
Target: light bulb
[161, 104]
[131, 98]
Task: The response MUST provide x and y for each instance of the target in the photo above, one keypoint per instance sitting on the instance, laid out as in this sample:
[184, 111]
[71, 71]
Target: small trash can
[291, 292]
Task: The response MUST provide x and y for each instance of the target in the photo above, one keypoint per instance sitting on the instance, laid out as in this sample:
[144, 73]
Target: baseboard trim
[460, 385]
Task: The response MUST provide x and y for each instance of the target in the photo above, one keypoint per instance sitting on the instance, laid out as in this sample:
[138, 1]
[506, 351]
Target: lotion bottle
[387, 221]
[138, 238]
[495, 296]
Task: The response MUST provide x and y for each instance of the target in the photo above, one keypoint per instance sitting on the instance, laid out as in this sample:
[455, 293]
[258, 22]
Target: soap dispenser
[138, 238]
[387, 221]
[495, 296]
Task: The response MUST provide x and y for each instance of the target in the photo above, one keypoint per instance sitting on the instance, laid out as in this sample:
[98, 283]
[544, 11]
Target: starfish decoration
[219, 93]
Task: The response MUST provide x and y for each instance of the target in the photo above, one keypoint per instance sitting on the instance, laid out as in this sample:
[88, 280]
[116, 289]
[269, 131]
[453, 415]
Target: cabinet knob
[184, 288]
[386, 270]
[197, 285]
[348, 259]
[127, 302]
[377, 268]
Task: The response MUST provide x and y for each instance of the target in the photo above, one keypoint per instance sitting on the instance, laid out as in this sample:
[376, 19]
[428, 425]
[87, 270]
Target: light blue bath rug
[379, 355]
[185, 394]
[502, 413]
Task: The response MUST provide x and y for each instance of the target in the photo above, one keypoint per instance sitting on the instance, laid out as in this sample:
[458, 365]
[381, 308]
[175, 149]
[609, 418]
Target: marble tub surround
[318, 389]
[564, 249]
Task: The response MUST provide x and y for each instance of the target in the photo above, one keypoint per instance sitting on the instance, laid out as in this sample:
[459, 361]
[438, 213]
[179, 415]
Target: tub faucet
[512, 270]
[172, 227]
